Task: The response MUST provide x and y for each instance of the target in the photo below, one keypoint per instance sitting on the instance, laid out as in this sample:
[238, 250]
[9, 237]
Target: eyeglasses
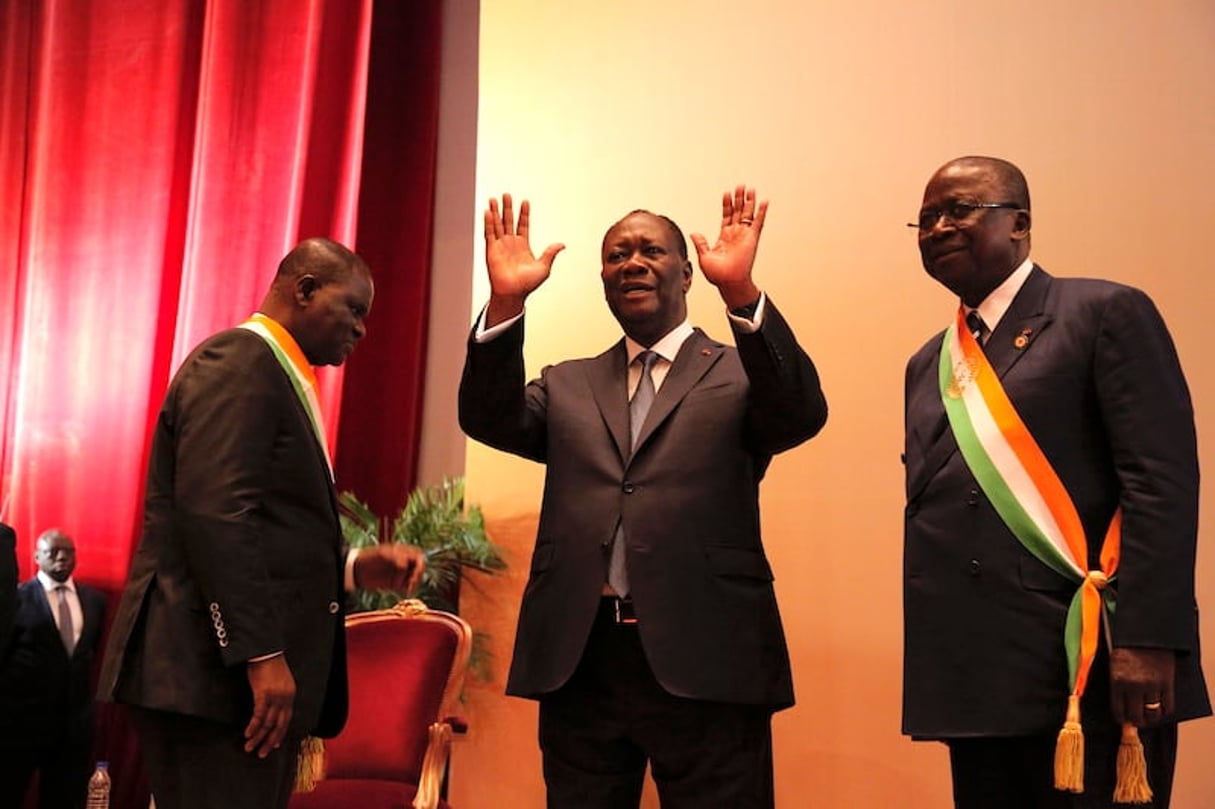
[955, 212]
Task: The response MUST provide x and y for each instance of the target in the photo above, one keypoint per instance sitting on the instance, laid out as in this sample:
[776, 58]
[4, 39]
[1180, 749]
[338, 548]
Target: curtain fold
[157, 159]
[382, 404]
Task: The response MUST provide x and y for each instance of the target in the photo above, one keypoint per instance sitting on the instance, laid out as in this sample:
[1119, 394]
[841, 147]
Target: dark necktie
[639, 406]
[974, 322]
[67, 631]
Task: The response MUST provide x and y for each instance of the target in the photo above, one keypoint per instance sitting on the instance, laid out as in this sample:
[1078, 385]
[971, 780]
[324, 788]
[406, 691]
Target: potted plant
[434, 518]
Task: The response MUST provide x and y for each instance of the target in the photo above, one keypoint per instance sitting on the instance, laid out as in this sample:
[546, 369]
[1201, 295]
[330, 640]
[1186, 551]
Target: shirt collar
[50, 584]
[996, 304]
[666, 348]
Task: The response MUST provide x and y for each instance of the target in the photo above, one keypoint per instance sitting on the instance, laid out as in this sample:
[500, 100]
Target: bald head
[1008, 177]
[321, 294]
[55, 554]
[323, 258]
[974, 225]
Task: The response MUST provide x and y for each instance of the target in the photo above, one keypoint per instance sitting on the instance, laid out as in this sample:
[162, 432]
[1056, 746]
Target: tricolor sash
[299, 372]
[1030, 498]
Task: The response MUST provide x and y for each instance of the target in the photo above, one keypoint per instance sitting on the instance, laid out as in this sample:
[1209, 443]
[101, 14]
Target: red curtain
[157, 159]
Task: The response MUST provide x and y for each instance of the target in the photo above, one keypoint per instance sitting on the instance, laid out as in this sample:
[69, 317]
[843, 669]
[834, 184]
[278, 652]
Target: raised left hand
[727, 264]
[1141, 685]
[389, 566]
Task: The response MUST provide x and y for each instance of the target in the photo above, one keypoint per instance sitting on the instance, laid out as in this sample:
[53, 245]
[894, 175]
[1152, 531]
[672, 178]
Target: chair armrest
[434, 764]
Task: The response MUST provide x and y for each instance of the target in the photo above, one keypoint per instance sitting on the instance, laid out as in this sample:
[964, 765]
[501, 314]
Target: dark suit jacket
[241, 549]
[8, 580]
[1100, 388]
[46, 697]
[699, 577]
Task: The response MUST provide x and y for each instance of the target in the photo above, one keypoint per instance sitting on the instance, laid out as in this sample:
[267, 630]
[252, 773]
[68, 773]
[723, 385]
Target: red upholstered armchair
[406, 667]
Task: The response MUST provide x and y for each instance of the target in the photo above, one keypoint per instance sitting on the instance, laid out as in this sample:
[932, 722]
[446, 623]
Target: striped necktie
[974, 322]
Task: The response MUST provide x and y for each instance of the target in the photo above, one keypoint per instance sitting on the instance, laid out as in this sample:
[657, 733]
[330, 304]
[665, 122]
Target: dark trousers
[63, 773]
[1018, 772]
[194, 763]
[598, 731]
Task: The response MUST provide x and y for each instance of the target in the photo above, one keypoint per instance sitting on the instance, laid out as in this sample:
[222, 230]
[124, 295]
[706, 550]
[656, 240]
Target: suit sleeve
[1146, 408]
[228, 414]
[496, 407]
[787, 403]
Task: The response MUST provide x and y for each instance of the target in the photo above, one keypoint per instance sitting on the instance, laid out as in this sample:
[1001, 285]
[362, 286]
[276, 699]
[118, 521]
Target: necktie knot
[974, 322]
[643, 396]
[647, 359]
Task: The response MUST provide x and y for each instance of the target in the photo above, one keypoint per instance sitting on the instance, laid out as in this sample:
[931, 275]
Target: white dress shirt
[73, 600]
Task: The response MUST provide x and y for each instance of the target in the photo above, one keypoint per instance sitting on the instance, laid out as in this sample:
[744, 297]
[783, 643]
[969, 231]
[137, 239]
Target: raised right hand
[514, 271]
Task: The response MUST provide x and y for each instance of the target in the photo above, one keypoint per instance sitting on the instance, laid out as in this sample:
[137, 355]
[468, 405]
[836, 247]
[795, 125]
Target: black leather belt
[618, 610]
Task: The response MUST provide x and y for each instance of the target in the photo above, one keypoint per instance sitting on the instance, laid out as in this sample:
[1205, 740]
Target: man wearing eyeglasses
[1051, 465]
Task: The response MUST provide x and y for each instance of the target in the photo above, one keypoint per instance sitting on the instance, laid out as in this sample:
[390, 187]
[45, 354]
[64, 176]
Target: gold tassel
[1132, 784]
[310, 764]
[1069, 750]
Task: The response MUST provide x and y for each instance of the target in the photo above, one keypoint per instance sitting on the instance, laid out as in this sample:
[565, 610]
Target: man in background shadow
[46, 696]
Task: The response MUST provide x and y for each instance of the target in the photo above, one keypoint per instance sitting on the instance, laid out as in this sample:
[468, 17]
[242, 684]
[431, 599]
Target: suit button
[974, 568]
[973, 500]
[628, 487]
[333, 608]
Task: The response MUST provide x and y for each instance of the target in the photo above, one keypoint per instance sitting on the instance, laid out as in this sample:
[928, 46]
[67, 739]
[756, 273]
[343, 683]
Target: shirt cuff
[484, 335]
[348, 578]
[749, 322]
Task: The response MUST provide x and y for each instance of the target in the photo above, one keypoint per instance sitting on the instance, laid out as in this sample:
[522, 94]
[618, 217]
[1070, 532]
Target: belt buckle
[624, 611]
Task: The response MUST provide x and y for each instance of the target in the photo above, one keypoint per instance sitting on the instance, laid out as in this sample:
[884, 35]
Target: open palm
[514, 271]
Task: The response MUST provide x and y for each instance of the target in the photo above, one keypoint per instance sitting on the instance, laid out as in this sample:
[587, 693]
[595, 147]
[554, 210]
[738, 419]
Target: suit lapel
[608, 378]
[1012, 339]
[53, 639]
[1021, 325]
[696, 356]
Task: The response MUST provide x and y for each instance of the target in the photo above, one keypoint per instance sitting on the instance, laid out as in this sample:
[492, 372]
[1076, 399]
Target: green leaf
[435, 519]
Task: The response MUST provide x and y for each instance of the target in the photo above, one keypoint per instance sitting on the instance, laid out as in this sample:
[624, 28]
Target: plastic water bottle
[99, 787]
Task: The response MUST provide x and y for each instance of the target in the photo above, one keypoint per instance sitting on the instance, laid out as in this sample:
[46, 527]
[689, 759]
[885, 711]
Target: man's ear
[687, 274]
[1021, 225]
[305, 287]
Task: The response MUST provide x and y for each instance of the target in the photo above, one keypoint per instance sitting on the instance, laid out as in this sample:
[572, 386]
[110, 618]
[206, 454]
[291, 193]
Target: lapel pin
[704, 352]
[1022, 339]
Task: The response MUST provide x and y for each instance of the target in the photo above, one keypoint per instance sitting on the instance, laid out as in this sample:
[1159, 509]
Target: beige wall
[838, 113]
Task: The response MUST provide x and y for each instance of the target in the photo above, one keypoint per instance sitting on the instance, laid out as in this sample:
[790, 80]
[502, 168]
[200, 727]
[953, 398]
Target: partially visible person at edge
[649, 629]
[8, 579]
[229, 642]
[992, 557]
[46, 691]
